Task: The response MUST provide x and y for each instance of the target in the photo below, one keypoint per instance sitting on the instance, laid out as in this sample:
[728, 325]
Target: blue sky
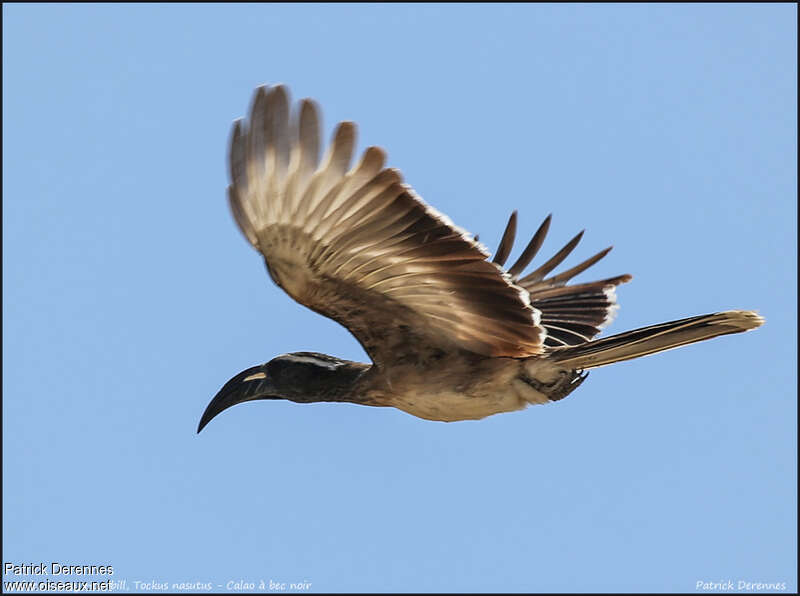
[129, 296]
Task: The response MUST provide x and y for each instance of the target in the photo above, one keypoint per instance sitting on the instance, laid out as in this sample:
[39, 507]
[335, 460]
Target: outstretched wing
[360, 247]
[571, 315]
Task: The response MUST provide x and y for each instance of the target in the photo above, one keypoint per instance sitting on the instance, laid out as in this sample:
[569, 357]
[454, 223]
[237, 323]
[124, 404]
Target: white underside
[500, 391]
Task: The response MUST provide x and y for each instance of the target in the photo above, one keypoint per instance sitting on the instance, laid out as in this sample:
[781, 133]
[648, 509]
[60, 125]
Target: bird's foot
[566, 383]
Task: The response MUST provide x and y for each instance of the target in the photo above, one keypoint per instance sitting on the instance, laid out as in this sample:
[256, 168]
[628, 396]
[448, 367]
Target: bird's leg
[566, 383]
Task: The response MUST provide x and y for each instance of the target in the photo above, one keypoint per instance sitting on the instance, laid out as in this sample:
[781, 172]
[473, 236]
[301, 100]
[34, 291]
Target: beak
[248, 385]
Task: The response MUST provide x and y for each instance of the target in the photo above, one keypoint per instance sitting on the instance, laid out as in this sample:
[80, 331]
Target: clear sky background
[129, 296]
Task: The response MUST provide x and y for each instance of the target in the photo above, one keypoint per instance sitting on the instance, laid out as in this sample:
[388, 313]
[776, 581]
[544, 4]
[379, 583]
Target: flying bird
[452, 334]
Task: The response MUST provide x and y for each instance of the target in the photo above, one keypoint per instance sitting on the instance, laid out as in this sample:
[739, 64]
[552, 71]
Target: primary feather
[358, 245]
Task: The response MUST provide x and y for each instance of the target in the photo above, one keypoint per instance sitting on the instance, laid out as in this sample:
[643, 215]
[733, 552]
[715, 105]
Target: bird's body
[454, 387]
[452, 336]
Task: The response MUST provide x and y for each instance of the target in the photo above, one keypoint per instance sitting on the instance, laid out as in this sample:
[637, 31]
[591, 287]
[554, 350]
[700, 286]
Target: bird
[451, 333]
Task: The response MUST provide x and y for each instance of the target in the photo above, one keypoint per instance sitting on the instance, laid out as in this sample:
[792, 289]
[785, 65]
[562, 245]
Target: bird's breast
[453, 392]
[450, 406]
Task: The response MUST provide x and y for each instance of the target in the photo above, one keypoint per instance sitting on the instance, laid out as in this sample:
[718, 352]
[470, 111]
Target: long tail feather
[656, 338]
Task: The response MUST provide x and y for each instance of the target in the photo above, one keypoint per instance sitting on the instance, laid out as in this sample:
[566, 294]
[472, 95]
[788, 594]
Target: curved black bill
[248, 385]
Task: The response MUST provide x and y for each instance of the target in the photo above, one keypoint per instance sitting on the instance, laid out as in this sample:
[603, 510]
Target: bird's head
[301, 377]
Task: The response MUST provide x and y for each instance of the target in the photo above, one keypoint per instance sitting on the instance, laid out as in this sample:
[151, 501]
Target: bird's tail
[655, 338]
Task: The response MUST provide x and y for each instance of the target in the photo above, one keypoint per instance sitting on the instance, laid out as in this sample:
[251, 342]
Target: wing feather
[507, 242]
[359, 246]
[570, 314]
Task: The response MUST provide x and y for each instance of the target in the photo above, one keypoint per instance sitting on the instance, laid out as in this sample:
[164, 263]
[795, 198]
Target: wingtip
[309, 114]
[392, 173]
[308, 104]
[345, 127]
[344, 135]
[544, 227]
[236, 132]
[259, 95]
[570, 246]
[279, 95]
[376, 153]
[604, 252]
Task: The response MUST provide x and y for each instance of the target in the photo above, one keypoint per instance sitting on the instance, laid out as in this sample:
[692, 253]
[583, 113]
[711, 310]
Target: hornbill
[451, 334]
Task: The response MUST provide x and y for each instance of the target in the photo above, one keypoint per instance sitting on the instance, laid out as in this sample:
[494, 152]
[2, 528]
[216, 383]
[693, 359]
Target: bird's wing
[359, 246]
[573, 314]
